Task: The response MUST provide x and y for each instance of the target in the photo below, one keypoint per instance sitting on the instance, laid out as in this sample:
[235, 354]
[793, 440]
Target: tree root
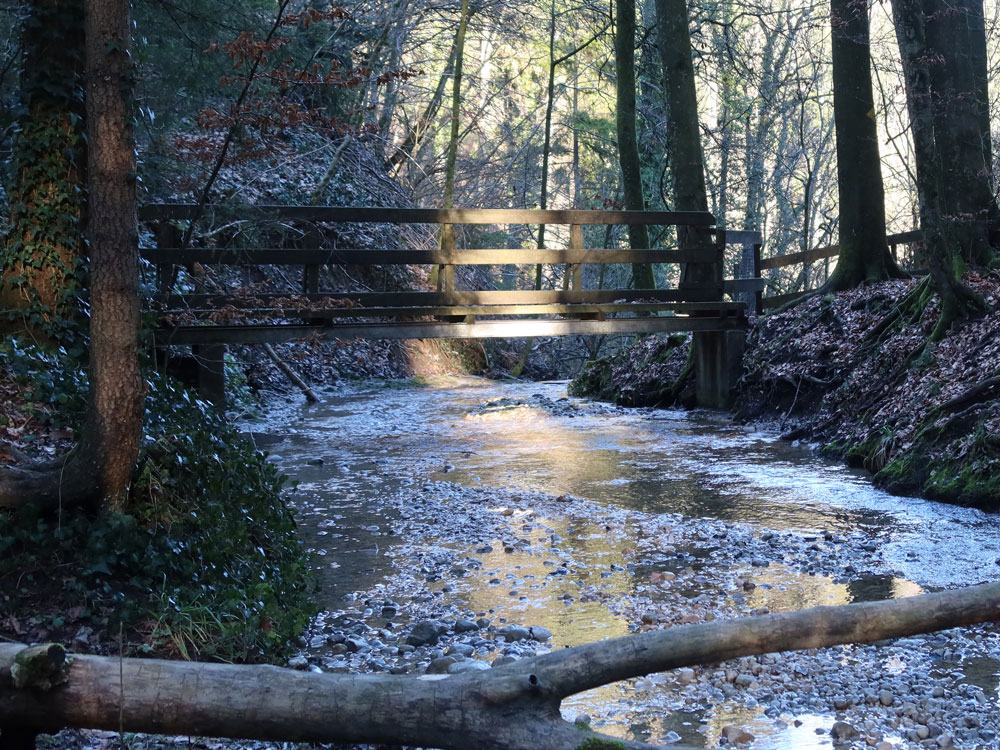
[982, 391]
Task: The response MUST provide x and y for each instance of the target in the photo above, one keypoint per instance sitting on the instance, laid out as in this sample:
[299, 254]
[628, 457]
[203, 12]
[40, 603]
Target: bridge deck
[214, 315]
[479, 329]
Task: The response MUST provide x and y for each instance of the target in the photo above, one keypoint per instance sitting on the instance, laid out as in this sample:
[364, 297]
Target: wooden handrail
[476, 257]
[832, 251]
[187, 211]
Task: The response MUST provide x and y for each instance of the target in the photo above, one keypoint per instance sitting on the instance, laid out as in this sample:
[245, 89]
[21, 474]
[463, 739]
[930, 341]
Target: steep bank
[922, 417]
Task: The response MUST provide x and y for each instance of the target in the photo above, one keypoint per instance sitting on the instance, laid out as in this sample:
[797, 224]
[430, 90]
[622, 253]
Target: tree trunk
[942, 249]
[39, 266]
[413, 134]
[511, 707]
[456, 106]
[956, 60]
[550, 101]
[628, 145]
[864, 254]
[100, 467]
[114, 423]
[684, 138]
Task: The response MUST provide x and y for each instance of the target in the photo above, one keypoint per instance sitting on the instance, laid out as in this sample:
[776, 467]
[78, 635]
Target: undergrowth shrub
[206, 565]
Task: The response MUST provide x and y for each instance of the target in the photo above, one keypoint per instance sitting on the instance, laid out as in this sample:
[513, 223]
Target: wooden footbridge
[210, 315]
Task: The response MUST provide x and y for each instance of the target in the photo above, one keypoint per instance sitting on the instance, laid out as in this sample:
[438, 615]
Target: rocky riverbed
[465, 524]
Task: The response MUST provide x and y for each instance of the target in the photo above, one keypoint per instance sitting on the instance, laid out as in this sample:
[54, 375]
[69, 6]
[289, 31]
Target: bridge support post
[717, 367]
[211, 373]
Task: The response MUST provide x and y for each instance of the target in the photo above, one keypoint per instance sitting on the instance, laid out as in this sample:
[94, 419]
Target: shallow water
[351, 448]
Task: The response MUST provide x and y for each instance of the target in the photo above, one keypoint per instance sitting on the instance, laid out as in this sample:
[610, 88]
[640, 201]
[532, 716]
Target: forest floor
[923, 417]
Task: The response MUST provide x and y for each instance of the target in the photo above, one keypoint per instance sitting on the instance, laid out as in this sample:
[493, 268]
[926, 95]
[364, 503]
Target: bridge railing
[894, 241]
[446, 310]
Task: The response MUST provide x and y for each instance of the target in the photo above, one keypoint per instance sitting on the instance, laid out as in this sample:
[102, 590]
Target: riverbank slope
[923, 417]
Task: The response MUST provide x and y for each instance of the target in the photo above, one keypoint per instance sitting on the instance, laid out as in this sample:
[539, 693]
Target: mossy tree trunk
[628, 145]
[864, 254]
[99, 470]
[40, 267]
[944, 250]
[956, 61]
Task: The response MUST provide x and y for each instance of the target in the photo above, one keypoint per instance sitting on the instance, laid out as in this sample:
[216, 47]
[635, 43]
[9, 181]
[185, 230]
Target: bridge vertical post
[167, 237]
[310, 271]
[759, 294]
[211, 363]
[574, 271]
[718, 355]
[446, 276]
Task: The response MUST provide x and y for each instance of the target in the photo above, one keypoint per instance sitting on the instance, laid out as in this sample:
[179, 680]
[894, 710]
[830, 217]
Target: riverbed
[538, 521]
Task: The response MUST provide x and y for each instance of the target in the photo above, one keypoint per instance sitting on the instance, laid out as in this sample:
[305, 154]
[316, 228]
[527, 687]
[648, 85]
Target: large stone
[540, 634]
[424, 633]
[736, 735]
[514, 633]
[441, 666]
[843, 731]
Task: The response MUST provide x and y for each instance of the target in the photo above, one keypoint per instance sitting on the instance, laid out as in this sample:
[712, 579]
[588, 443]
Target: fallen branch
[291, 375]
[513, 707]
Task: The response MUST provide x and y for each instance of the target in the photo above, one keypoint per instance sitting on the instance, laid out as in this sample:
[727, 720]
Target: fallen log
[514, 707]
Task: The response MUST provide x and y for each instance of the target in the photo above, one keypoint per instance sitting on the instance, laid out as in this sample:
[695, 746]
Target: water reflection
[351, 449]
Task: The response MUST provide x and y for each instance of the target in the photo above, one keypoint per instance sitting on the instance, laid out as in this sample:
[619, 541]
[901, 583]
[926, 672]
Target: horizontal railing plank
[185, 211]
[832, 251]
[721, 308]
[186, 335]
[493, 256]
[905, 238]
[780, 261]
[459, 298]
[780, 299]
[743, 285]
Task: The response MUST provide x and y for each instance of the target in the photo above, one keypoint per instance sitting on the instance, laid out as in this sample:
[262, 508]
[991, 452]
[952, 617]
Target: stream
[517, 507]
